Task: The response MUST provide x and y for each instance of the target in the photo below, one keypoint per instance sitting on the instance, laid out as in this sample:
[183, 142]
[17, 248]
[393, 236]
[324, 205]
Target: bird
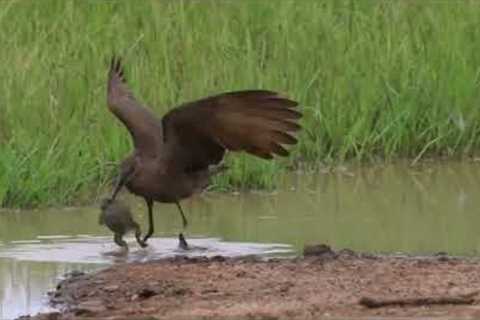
[175, 156]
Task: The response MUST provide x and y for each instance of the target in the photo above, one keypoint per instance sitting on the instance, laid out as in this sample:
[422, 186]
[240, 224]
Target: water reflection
[390, 208]
[24, 285]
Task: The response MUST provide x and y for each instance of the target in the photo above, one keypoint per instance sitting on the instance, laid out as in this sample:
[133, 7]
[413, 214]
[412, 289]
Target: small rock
[317, 250]
[251, 258]
[285, 287]
[89, 307]
[218, 258]
[347, 252]
[240, 274]
[442, 256]
[111, 288]
[74, 274]
[207, 291]
[146, 293]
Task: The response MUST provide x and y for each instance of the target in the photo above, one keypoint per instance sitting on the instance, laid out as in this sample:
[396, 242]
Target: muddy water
[392, 208]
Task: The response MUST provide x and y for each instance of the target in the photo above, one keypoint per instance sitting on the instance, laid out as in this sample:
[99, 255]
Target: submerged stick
[423, 301]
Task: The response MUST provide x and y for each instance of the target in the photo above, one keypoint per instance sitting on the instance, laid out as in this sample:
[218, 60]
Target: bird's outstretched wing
[143, 125]
[258, 122]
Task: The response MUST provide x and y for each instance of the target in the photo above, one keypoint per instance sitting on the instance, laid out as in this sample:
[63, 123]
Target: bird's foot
[142, 243]
[145, 238]
[182, 243]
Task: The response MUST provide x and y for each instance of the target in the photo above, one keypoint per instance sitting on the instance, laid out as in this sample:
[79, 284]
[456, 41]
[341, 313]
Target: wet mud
[322, 283]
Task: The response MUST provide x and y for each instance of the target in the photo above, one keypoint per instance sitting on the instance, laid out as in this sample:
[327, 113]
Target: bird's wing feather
[143, 125]
[256, 121]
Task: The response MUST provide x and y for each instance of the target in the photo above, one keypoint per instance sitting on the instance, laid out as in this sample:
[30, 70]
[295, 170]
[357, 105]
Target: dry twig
[422, 301]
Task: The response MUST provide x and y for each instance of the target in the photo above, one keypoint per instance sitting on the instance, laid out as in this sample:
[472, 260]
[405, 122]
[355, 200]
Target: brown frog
[118, 218]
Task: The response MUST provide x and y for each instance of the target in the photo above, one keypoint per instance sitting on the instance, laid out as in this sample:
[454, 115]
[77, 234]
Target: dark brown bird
[175, 156]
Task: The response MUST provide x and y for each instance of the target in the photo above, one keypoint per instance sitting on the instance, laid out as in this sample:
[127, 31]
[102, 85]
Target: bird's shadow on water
[101, 250]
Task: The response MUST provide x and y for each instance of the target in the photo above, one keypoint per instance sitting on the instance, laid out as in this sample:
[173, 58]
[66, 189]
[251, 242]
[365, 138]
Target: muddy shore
[323, 283]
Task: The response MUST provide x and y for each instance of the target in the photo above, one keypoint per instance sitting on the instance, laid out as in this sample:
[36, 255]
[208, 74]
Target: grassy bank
[375, 79]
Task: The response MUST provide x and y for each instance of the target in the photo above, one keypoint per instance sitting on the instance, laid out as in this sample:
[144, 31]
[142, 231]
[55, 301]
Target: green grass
[376, 79]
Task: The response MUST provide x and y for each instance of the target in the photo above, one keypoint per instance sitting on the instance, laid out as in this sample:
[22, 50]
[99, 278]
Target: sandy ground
[323, 284]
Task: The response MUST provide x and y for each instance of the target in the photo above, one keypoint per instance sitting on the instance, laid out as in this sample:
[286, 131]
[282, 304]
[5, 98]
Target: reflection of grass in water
[374, 78]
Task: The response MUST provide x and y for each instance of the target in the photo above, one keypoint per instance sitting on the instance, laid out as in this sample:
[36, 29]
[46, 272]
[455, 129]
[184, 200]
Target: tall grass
[376, 79]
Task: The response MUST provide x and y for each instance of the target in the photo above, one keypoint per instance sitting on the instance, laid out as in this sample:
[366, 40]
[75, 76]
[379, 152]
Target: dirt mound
[323, 283]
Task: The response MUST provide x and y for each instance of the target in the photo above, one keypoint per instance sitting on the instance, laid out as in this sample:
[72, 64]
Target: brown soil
[322, 284]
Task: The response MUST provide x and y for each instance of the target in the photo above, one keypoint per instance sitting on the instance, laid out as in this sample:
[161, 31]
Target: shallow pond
[425, 209]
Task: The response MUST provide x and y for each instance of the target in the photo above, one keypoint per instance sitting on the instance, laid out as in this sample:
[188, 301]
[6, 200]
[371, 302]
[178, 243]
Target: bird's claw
[182, 243]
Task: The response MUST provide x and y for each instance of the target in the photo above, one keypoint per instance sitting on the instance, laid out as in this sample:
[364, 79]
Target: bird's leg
[120, 183]
[124, 177]
[138, 235]
[150, 220]
[184, 219]
[182, 243]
